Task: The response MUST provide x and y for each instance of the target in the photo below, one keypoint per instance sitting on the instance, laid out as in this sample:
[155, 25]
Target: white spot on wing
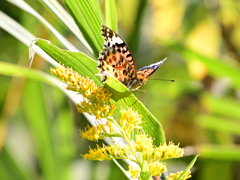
[117, 39]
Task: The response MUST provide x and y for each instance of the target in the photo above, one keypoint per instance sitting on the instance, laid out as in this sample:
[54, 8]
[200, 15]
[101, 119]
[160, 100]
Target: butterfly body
[116, 60]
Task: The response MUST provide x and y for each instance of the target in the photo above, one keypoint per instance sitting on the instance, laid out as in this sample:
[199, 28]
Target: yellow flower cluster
[115, 151]
[129, 120]
[97, 102]
[167, 152]
[133, 171]
[97, 99]
[94, 134]
[143, 143]
[157, 168]
[175, 176]
[154, 155]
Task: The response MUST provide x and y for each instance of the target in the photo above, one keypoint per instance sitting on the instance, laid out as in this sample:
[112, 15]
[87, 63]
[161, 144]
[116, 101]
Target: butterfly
[116, 60]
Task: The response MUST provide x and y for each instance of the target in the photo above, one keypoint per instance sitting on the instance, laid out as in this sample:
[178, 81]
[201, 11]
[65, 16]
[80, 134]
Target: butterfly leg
[143, 92]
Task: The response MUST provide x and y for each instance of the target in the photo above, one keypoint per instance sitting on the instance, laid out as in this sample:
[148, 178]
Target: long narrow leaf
[15, 29]
[98, 9]
[23, 5]
[65, 18]
[188, 168]
[19, 71]
[10, 169]
[111, 15]
[88, 21]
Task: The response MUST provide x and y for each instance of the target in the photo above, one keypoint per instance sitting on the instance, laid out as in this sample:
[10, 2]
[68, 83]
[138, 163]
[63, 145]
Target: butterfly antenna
[172, 80]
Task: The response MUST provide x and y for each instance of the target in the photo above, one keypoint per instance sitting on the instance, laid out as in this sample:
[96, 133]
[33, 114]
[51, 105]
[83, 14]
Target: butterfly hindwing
[147, 71]
[112, 63]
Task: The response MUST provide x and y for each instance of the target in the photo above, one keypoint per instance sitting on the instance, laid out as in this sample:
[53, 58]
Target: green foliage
[201, 109]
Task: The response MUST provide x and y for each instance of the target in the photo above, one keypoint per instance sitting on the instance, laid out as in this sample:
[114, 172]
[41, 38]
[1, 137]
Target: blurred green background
[39, 125]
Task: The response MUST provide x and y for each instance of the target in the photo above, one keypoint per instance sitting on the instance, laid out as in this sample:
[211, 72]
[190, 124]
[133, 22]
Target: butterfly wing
[146, 71]
[115, 59]
[112, 63]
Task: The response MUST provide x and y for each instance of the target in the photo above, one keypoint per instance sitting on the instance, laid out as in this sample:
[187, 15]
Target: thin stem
[127, 140]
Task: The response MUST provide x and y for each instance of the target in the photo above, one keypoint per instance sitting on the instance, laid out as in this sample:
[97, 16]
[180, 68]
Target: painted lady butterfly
[116, 60]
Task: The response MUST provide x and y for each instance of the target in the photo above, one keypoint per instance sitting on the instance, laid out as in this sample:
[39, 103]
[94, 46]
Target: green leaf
[220, 152]
[123, 170]
[9, 168]
[80, 62]
[219, 124]
[98, 9]
[38, 118]
[121, 95]
[16, 70]
[188, 168]
[111, 15]
[88, 21]
[125, 98]
[145, 173]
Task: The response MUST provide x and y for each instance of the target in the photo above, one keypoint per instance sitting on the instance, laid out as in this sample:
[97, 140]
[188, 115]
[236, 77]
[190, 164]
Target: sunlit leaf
[188, 168]
[111, 15]
[88, 21]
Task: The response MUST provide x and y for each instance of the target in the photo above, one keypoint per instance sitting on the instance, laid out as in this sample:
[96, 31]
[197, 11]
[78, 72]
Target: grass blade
[111, 15]
[88, 21]
[188, 168]
[66, 19]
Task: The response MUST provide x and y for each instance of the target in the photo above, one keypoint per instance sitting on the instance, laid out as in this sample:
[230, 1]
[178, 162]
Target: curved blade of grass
[121, 95]
[98, 9]
[66, 19]
[19, 71]
[88, 21]
[111, 15]
[123, 170]
[188, 168]
[24, 6]
[15, 29]
[11, 170]
[38, 118]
